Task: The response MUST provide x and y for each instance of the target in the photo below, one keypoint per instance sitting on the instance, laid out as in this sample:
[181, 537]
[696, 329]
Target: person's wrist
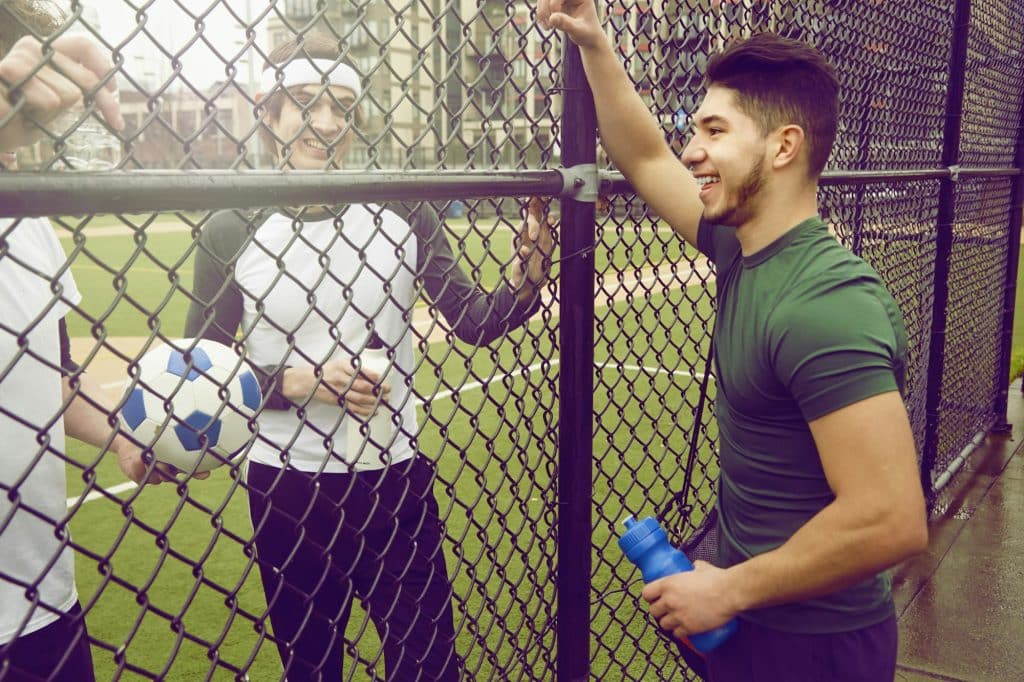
[122, 446]
[598, 42]
[527, 292]
[523, 290]
[291, 382]
[737, 589]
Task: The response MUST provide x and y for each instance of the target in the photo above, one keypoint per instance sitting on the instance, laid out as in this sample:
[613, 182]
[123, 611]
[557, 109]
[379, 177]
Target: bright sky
[172, 25]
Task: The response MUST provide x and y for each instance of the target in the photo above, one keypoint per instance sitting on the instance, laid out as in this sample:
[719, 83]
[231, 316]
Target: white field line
[426, 324]
[95, 494]
[441, 395]
[423, 320]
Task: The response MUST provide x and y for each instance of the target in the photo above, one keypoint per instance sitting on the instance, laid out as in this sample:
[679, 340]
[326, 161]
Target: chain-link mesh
[893, 228]
[180, 582]
[981, 241]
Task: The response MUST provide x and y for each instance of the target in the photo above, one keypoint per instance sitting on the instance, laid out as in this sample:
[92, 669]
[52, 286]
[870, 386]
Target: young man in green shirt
[819, 491]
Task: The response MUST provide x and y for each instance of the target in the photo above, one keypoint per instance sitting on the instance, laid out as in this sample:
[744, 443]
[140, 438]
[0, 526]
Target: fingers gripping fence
[521, 422]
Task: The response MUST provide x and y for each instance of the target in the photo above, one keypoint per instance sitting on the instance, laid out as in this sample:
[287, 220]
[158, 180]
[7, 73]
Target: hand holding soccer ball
[192, 404]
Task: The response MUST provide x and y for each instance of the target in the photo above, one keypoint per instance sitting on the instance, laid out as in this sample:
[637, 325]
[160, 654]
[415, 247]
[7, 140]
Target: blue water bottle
[646, 545]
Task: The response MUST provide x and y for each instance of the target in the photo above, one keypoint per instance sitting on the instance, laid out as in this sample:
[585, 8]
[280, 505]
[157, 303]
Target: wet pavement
[961, 603]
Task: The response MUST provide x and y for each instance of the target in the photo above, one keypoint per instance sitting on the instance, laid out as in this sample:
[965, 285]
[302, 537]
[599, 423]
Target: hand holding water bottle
[38, 85]
[691, 601]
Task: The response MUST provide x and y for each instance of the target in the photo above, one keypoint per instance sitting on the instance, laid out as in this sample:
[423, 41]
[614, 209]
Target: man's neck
[776, 216]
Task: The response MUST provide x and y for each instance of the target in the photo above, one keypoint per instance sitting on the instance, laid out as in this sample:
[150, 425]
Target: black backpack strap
[677, 506]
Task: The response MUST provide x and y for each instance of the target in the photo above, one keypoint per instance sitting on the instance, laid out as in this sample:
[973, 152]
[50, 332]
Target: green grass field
[1017, 352]
[172, 593]
[171, 590]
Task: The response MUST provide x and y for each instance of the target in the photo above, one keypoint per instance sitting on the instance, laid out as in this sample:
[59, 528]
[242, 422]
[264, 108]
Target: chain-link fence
[541, 417]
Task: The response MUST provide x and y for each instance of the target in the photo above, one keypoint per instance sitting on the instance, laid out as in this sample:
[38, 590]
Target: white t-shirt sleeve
[68, 293]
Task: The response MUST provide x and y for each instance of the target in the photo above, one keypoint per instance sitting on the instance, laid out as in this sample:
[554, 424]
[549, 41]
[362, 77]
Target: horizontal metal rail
[84, 193]
[75, 193]
[615, 183]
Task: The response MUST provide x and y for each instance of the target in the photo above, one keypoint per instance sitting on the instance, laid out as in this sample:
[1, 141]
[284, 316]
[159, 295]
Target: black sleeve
[215, 308]
[67, 364]
[476, 316]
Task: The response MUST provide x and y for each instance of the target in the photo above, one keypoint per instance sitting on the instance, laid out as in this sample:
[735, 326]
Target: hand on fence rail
[534, 246]
[38, 83]
[578, 18]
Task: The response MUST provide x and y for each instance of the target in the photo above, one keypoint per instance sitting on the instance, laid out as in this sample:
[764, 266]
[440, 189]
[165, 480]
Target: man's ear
[787, 143]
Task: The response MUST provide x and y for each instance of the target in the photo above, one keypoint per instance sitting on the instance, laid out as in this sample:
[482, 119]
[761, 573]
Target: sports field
[168, 577]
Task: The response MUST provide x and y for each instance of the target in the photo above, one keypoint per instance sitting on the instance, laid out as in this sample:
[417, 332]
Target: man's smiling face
[727, 156]
[322, 141]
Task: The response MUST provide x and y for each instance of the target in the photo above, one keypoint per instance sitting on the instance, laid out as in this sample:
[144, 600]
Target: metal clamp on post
[954, 173]
[580, 182]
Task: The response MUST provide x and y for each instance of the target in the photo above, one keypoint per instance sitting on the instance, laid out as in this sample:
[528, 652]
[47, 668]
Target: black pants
[322, 539]
[58, 652]
[759, 654]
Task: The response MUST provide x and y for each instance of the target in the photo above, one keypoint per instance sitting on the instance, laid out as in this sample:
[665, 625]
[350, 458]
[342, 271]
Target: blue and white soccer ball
[192, 403]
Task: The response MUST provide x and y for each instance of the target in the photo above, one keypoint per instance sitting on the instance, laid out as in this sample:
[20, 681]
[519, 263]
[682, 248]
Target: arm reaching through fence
[534, 246]
[475, 315]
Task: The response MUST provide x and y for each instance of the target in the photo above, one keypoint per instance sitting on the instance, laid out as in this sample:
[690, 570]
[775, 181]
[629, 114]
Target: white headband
[310, 72]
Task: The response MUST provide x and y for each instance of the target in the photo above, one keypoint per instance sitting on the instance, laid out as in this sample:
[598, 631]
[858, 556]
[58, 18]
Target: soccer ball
[191, 403]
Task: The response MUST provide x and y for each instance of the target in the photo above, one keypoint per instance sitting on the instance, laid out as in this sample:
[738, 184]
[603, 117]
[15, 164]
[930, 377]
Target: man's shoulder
[227, 232]
[31, 240]
[230, 219]
[36, 229]
[818, 261]
[841, 299]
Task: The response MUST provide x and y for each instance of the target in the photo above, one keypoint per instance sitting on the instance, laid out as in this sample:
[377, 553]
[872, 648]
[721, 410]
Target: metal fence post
[575, 380]
[946, 219]
[1010, 290]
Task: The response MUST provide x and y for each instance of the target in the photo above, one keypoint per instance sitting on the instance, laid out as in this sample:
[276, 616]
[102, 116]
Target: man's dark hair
[779, 81]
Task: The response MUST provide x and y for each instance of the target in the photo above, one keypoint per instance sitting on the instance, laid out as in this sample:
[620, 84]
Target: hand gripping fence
[517, 431]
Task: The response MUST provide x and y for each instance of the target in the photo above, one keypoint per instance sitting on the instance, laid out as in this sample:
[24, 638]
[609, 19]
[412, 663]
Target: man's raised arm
[629, 133]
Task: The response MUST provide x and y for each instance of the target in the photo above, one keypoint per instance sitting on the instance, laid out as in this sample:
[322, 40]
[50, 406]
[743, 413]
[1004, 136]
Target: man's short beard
[743, 210]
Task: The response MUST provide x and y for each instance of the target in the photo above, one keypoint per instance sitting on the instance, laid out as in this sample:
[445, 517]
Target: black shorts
[58, 652]
[759, 654]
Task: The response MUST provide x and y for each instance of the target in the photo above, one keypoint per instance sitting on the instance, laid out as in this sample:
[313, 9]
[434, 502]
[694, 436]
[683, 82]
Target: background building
[447, 85]
[468, 83]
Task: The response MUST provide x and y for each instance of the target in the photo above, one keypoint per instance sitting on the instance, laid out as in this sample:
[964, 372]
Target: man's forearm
[88, 418]
[629, 133]
[839, 547]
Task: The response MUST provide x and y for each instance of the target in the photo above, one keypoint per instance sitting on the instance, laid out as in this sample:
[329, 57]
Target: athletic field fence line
[543, 440]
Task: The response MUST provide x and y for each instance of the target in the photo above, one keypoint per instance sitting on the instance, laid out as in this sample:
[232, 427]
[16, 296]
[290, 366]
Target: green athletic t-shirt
[804, 328]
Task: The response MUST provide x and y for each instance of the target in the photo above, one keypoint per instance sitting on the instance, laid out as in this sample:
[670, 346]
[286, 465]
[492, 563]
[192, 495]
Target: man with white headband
[312, 289]
[298, 83]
